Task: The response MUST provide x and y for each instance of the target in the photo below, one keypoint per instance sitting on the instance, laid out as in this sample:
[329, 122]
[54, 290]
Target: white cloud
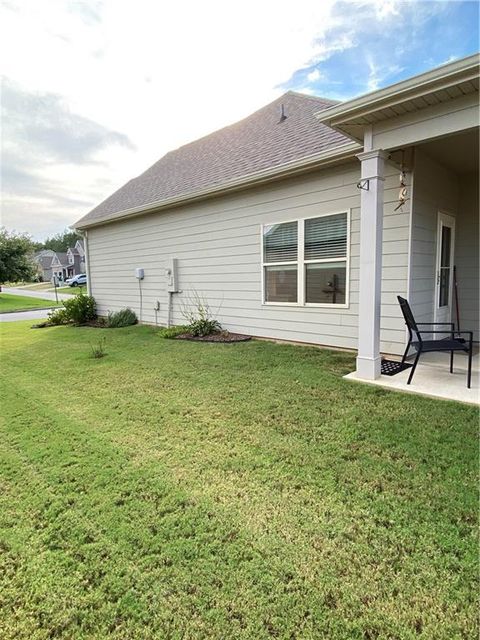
[313, 75]
[387, 8]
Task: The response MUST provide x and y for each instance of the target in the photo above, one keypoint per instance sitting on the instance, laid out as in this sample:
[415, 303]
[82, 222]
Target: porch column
[370, 285]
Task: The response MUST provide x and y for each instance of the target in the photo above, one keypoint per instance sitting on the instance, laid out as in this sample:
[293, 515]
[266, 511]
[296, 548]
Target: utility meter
[171, 272]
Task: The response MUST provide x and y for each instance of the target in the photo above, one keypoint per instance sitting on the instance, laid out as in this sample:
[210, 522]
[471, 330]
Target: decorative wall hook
[364, 184]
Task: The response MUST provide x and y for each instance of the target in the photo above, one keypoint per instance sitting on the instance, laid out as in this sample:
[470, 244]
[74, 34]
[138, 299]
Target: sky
[95, 91]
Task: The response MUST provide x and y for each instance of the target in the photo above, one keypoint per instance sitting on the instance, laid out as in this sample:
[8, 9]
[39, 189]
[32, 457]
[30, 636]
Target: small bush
[200, 317]
[80, 308]
[173, 332]
[98, 350]
[204, 327]
[122, 318]
[59, 316]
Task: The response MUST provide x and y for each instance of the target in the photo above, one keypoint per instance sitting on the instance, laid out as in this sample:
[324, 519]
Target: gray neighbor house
[305, 220]
[61, 265]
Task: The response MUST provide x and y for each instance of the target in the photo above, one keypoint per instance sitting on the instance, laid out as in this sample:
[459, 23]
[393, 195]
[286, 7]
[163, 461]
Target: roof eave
[342, 117]
[322, 159]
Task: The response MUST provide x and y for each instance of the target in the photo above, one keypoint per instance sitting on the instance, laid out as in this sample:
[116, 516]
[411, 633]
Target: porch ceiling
[459, 153]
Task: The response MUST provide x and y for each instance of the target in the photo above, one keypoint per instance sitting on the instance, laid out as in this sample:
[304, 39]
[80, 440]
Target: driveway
[44, 295]
[35, 314]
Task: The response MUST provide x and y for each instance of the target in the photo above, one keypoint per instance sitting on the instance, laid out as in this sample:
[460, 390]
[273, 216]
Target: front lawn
[246, 491]
[9, 303]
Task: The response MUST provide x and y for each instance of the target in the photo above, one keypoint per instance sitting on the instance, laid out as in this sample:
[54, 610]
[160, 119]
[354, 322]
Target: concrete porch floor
[433, 378]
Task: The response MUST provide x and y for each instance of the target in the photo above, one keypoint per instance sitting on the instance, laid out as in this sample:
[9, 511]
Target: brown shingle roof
[259, 142]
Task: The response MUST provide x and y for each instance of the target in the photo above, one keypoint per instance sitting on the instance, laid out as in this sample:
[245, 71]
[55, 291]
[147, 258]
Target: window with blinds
[325, 257]
[280, 242]
[326, 237]
[280, 255]
[306, 261]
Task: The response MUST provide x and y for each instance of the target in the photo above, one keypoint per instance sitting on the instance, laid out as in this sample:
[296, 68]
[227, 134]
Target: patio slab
[433, 378]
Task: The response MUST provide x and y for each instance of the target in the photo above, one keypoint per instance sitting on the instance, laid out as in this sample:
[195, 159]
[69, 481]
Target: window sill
[306, 305]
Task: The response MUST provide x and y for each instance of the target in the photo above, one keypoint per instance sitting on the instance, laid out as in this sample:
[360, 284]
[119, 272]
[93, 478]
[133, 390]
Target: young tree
[15, 256]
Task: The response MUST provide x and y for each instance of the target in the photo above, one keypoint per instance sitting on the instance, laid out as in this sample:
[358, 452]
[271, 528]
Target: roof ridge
[310, 97]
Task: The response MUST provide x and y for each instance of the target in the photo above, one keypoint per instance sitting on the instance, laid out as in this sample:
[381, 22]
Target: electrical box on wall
[139, 273]
[171, 272]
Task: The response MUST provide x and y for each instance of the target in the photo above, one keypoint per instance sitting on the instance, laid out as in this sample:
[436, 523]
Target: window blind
[326, 237]
[280, 242]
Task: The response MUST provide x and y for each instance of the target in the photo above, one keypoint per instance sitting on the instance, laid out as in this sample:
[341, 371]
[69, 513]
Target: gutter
[322, 159]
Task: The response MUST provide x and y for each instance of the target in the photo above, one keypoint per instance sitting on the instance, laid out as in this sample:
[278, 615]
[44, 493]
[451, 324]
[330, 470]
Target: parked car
[76, 281]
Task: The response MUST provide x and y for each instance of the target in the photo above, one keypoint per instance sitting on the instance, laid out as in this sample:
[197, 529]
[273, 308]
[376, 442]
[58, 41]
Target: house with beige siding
[305, 220]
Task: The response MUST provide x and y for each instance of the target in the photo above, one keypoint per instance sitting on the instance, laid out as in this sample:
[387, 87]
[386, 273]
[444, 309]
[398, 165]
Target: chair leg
[412, 370]
[406, 352]
[469, 373]
[451, 361]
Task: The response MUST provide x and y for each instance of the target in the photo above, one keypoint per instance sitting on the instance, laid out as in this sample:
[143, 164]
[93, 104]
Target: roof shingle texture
[260, 141]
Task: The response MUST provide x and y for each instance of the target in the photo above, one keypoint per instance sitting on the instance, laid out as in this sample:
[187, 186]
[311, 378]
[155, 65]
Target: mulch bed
[223, 336]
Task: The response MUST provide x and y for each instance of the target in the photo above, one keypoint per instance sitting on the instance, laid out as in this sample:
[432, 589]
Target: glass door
[444, 267]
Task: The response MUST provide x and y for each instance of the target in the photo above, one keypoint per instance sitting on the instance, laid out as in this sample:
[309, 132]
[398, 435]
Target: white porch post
[371, 232]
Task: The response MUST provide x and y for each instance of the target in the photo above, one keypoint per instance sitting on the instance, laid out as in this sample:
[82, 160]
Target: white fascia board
[442, 77]
[322, 159]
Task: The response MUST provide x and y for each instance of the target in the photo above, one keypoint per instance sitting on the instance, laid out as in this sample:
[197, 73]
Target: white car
[76, 281]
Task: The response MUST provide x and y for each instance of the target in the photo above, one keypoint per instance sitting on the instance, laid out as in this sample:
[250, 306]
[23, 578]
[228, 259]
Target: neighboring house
[43, 264]
[306, 219]
[76, 259]
[62, 265]
[80, 250]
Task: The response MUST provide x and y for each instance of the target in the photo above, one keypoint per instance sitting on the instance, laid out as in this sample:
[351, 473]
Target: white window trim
[301, 262]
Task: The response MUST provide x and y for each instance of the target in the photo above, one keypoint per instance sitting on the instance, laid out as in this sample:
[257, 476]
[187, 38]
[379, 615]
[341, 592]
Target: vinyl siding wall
[218, 247]
[436, 188]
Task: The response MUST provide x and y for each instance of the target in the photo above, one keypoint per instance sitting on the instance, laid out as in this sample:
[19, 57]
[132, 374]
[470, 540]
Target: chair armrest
[442, 331]
[457, 333]
[432, 324]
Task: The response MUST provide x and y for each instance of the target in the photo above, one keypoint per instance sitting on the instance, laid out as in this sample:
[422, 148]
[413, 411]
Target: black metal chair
[453, 343]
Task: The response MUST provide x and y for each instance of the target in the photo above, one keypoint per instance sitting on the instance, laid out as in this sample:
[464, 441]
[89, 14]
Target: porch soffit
[443, 85]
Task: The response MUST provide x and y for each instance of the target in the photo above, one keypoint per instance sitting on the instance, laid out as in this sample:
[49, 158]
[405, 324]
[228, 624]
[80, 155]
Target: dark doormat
[392, 367]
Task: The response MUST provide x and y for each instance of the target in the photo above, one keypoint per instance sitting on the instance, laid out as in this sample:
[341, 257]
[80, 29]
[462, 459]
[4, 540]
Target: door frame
[448, 220]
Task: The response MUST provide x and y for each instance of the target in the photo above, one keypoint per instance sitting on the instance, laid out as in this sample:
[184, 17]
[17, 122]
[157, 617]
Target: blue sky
[95, 91]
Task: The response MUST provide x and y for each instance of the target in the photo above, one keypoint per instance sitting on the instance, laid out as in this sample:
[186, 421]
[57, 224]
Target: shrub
[173, 332]
[204, 327]
[200, 319]
[59, 316]
[122, 318]
[80, 308]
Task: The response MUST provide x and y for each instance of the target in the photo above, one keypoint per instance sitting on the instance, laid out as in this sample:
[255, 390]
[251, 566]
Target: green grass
[194, 491]
[72, 290]
[9, 303]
